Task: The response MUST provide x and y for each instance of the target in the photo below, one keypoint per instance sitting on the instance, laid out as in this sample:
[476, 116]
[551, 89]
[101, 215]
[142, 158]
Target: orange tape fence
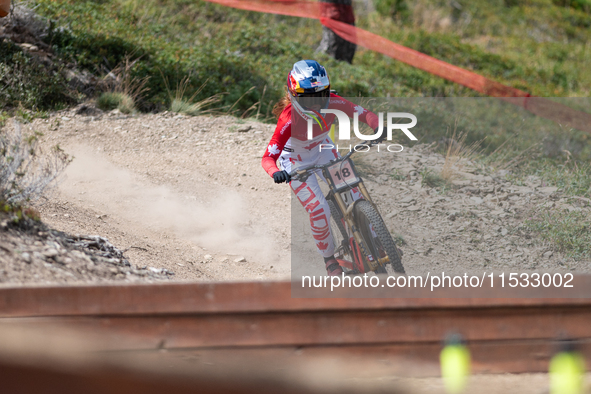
[339, 18]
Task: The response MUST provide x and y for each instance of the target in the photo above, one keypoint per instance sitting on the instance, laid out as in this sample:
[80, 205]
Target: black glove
[281, 176]
[383, 136]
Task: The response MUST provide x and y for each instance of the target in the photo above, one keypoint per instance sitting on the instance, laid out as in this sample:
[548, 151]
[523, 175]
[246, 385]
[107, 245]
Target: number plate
[342, 174]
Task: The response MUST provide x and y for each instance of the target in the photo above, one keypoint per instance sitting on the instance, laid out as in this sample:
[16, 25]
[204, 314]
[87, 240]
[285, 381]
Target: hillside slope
[188, 195]
[535, 45]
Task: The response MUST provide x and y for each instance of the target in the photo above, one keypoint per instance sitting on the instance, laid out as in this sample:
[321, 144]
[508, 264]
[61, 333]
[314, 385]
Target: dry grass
[507, 160]
[123, 86]
[25, 170]
[179, 104]
[457, 154]
[110, 100]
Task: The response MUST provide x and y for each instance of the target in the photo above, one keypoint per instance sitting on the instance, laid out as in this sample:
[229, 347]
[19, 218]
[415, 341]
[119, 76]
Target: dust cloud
[218, 221]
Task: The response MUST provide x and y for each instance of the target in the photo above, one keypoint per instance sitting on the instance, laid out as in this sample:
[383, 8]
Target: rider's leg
[313, 201]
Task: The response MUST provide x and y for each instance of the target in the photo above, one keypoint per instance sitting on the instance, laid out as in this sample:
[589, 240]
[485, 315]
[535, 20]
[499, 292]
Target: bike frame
[359, 248]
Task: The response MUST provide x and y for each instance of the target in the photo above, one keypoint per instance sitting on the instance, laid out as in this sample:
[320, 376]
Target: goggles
[316, 99]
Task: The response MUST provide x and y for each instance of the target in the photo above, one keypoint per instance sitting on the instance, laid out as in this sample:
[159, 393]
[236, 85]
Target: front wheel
[339, 233]
[376, 235]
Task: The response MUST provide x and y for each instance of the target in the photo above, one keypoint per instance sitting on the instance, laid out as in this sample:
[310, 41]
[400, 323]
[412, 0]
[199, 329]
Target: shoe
[333, 268]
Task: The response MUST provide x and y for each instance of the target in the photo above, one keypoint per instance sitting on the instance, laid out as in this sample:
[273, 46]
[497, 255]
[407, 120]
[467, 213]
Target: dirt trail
[185, 194]
[477, 226]
[188, 194]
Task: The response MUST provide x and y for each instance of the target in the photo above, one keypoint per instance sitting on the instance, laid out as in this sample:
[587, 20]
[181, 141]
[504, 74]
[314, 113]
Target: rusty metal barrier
[503, 334]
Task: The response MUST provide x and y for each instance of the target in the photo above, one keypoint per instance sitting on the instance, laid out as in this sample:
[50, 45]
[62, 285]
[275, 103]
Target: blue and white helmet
[306, 79]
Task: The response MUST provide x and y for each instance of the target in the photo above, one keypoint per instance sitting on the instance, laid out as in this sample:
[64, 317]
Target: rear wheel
[376, 235]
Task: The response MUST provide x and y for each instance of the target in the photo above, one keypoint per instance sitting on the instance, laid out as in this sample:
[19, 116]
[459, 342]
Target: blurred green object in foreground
[567, 369]
[455, 364]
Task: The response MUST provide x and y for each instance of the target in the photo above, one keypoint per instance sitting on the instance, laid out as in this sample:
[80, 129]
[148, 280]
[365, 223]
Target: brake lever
[300, 176]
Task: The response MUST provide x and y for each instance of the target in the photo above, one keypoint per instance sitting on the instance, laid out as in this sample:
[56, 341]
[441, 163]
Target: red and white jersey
[291, 132]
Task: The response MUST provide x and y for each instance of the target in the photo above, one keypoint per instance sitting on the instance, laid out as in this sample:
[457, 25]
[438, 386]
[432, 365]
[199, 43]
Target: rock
[520, 189]
[501, 197]
[548, 254]
[453, 215]
[464, 182]
[28, 47]
[240, 260]
[83, 81]
[50, 253]
[383, 178]
[469, 189]
[244, 129]
[413, 208]
[87, 110]
[26, 257]
[504, 231]
[476, 200]
[548, 190]
[391, 214]
[207, 258]
[407, 199]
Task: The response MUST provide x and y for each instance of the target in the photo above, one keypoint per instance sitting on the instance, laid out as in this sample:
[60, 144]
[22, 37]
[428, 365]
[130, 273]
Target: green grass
[399, 240]
[397, 176]
[25, 83]
[431, 179]
[571, 178]
[569, 232]
[108, 101]
[534, 45]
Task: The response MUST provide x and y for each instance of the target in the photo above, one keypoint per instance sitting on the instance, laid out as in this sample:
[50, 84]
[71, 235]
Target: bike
[362, 241]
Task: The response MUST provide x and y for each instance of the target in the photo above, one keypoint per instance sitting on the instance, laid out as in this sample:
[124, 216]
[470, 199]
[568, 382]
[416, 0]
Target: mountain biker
[308, 92]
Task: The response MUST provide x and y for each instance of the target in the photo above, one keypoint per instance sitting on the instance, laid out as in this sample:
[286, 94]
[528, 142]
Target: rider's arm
[349, 108]
[280, 137]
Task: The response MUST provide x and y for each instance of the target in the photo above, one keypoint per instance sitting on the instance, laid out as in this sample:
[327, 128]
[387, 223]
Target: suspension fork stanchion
[364, 192]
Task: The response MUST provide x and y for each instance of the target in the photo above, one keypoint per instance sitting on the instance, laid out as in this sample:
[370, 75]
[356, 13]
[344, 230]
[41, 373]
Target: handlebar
[301, 174]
